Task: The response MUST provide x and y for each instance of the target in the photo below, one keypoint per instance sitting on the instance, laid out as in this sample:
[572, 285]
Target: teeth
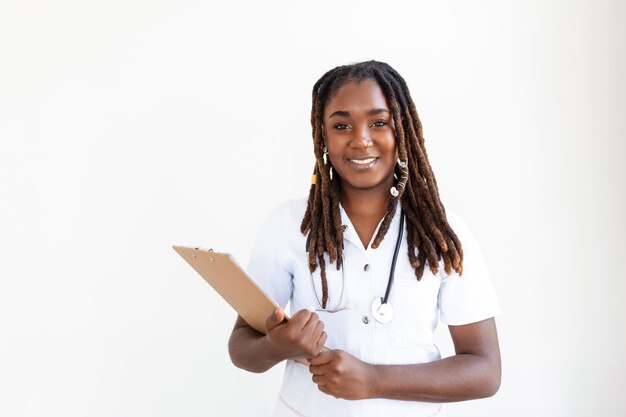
[362, 161]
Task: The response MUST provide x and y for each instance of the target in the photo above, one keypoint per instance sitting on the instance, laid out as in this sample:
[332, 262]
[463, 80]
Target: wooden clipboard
[235, 286]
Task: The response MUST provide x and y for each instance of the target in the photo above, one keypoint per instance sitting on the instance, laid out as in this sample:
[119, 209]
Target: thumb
[275, 319]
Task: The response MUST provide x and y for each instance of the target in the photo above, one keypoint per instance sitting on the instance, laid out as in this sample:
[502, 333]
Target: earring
[403, 179]
[325, 151]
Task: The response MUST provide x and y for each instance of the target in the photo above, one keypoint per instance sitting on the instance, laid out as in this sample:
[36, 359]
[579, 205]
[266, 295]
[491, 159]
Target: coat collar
[352, 236]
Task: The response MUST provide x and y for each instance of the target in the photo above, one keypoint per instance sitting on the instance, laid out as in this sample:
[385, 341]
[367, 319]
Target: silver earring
[405, 171]
[325, 151]
[394, 191]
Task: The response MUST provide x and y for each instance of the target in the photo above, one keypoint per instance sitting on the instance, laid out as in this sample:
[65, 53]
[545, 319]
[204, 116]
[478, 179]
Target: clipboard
[231, 282]
[235, 286]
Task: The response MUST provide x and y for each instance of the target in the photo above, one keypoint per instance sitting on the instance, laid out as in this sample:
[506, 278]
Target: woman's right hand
[301, 337]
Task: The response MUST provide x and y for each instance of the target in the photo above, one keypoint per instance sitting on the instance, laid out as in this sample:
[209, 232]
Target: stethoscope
[381, 309]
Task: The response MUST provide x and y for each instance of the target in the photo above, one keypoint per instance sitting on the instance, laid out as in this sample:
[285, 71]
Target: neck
[366, 203]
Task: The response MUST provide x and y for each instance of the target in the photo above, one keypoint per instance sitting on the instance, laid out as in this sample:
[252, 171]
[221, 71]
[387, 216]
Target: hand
[301, 337]
[341, 375]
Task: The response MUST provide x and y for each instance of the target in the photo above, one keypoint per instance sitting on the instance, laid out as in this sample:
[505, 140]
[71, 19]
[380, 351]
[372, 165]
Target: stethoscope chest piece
[383, 313]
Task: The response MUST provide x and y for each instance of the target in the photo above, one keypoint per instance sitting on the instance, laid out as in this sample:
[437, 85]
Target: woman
[373, 252]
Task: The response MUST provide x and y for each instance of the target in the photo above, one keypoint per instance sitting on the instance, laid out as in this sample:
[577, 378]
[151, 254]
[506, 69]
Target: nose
[361, 139]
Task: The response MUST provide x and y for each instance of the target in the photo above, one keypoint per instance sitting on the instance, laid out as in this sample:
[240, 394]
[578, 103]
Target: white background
[130, 126]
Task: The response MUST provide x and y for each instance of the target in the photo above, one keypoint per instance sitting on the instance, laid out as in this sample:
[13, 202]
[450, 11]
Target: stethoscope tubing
[395, 258]
[343, 281]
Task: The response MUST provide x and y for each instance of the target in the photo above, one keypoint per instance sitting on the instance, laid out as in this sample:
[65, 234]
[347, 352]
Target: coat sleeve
[268, 264]
[470, 297]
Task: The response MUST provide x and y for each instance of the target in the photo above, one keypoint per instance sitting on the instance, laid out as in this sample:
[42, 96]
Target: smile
[363, 161]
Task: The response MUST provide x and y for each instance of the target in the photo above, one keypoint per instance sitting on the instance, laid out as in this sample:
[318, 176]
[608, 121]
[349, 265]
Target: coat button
[365, 319]
[366, 267]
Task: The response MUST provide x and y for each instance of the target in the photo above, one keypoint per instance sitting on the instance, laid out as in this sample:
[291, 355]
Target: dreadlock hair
[429, 236]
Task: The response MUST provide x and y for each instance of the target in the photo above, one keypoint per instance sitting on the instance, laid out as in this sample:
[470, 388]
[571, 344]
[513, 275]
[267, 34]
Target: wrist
[374, 381]
[272, 350]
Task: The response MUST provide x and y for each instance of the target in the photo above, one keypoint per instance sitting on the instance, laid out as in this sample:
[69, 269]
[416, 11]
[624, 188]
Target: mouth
[363, 163]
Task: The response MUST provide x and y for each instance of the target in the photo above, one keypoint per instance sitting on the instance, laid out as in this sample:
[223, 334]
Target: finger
[319, 329]
[323, 358]
[318, 369]
[321, 341]
[275, 319]
[300, 319]
[324, 389]
[313, 327]
[319, 379]
[309, 327]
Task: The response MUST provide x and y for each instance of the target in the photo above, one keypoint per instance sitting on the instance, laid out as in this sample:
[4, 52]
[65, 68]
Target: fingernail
[311, 309]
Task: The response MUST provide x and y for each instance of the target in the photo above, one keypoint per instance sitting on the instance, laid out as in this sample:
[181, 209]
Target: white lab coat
[279, 263]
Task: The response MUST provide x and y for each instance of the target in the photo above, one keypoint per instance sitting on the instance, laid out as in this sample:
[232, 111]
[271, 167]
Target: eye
[379, 123]
[341, 126]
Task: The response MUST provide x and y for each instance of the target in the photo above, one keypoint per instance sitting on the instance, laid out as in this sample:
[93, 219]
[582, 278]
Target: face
[360, 137]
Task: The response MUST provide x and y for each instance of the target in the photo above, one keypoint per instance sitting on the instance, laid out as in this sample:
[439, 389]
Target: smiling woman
[370, 336]
[360, 138]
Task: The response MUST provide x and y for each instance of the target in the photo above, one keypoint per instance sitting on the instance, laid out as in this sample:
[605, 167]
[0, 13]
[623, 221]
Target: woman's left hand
[342, 375]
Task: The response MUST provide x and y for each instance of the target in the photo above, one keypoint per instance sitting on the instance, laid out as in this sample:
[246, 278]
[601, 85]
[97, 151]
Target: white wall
[129, 126]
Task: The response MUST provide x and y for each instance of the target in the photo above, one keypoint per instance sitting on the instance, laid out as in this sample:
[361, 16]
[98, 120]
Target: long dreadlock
[429, 236]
